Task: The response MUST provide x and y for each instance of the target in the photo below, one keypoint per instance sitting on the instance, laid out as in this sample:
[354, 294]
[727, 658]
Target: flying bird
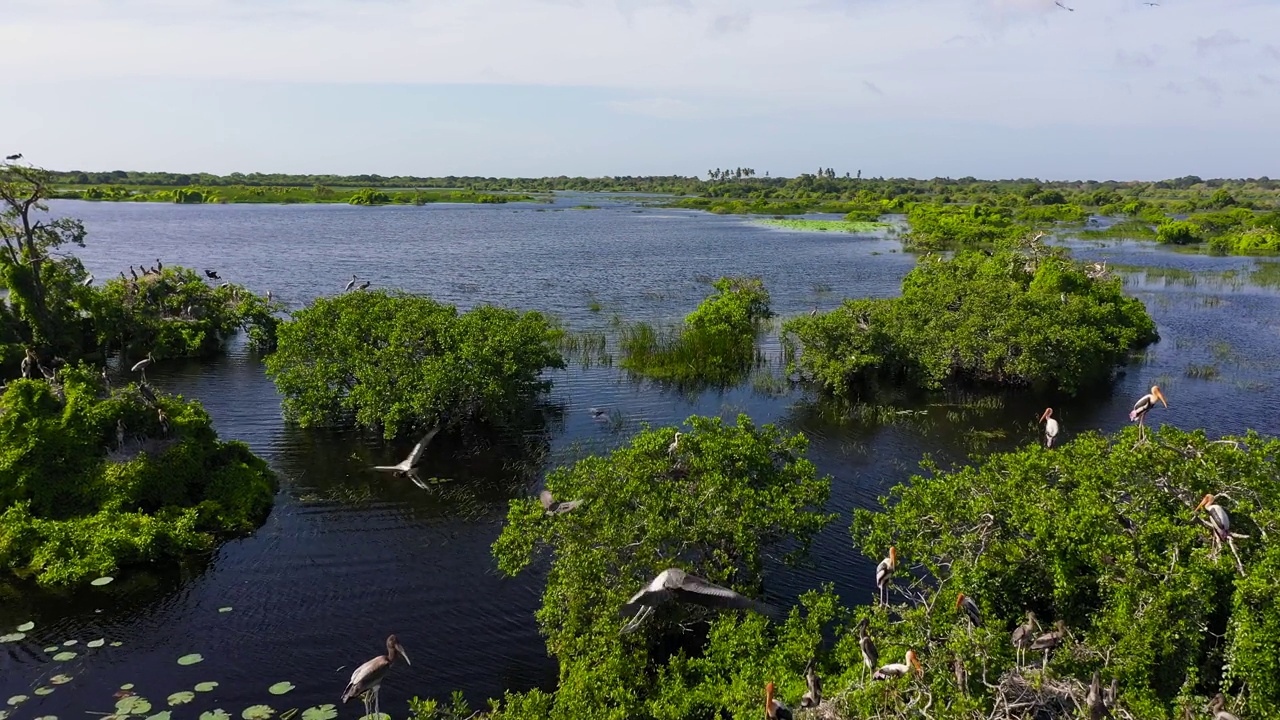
[554, 507]
[1064, 7]
[1151, 4]
[675, 585]
[410, 463]
[367, 679]
[16, 156]
[1050, 427]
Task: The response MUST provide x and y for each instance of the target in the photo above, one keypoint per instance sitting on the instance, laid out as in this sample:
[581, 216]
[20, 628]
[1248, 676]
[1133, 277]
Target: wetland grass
[808, 225]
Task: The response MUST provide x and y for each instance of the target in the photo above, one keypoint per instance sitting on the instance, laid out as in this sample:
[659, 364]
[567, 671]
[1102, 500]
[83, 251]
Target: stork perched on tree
[1143, 406]
[812, 697]
[1220, 523]
[142, 365]
[893, 670]
[870, 655]
[773, 707]
[1050, 427]
[884, 571]
[966, 603]
[1023, 636]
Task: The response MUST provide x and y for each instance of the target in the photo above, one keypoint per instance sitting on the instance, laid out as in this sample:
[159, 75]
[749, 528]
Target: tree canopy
[1024, 315]
[94, 479]
[392, 361]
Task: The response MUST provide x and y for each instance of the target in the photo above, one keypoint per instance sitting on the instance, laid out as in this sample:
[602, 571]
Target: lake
[349, 556]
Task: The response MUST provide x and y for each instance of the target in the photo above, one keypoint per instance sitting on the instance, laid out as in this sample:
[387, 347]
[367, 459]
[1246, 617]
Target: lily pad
[17, 700]
[162, 715]
[191, 659]
[12, 637]
[69, 643]
[102, 581]
[226, 609]
[280, 688]
[320, 712]
[47, 717]
[51, 649]
[116, 643]
[206, 686]
[127, 686]
[218, 714]
[43, 690]
[4, 715]
[26, 627]
[133, 705]
[181, 698]
[258, 712]
[59, 679]
[96, 643]
[64, 656]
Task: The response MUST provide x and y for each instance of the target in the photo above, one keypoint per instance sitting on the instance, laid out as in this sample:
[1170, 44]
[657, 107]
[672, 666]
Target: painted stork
[1050, 427]
[773, 707]
[675, 585]
[883, 573]
[674, 447]
[1218, 706]
[870, 655]
[1218, 518]
[367, 679]
[142, 365]
[555, 507]
[1094, 700]
[408, 466]
[966, 603]
[351, 284]
[1022, 637]
[87, 281]
[893, 670]
[1050, 641]
[1143, 406]
[812, 697]
[364, 285]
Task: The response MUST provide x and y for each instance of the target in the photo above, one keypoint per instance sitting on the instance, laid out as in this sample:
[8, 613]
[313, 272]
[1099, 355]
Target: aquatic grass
[807, 225]
[1265, 274]
[595, 306]
[191, 659]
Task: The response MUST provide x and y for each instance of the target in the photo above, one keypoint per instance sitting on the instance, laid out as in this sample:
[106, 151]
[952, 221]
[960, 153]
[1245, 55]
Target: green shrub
[1178, 232]
[1015, 317]
[951, 226]
[392, 361]
[81, 504]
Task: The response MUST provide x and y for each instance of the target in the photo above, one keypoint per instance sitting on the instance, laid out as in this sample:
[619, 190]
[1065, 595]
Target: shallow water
[348, 556]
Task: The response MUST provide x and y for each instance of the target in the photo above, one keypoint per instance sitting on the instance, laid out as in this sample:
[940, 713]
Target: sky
[1111, 89]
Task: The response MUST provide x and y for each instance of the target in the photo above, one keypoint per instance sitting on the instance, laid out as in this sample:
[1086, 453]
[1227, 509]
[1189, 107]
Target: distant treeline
[739, 183]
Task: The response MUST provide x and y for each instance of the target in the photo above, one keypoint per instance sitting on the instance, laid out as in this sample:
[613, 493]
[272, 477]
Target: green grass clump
[286, 195]
[93, 481]
[716, 344]
[806, 225]
[1125, 229]
[938, 227]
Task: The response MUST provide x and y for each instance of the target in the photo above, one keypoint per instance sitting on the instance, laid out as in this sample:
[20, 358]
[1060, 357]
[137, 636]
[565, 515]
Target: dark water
[348, 556]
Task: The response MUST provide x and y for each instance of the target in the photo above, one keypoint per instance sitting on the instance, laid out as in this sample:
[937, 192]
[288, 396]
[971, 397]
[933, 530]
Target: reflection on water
[349, 555]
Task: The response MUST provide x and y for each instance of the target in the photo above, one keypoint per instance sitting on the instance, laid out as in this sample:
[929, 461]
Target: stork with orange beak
[893, 670]
[1050, 427]
[1220, 523]
[884, 571]
[870, 655]
[966, 603]
[773, 707]
[1143, 406]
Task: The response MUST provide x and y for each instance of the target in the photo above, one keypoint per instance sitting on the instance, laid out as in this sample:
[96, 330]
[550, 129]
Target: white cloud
[1019, 62]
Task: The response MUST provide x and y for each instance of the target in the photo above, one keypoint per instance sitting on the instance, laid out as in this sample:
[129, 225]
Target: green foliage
[716, 345]
[1041, 214]
[714, 507]
[369, 196]
[1015, 317]
[808, 225]
[176, 314]
[81, 504]
[1252, 241]
[951, 226]
[1178, 232]
[1100, 534]
[392, 361]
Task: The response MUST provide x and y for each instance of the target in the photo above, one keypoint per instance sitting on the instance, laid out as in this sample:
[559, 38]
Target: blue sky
[1115, 89]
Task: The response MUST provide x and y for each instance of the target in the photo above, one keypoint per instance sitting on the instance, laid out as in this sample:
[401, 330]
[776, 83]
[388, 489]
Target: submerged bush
[94, 480]
[176, 314]
[392, 361]
[1178, 232]
[1025, 316]
[715, 345]
[952, 226]
[714, 507]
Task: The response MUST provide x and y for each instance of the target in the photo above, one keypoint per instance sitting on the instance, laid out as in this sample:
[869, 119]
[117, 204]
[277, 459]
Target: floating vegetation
[133, 705]
[226, 609]
[595, 306]
[258, 712]
[43, 690]
[1266, 274]
[51, 649]
[162, 715]
[216, 714]
[804, 225]
[12, 637]
[127, 686]
[102, 581]
[69, 643]
[821, 288]
[60, 679]
[206, 686]
[17, 700]
[191, 659]
[64, 656]
[280, 688]
[116, 643]
[320, 712]
[96, 643]
[1202, 372]
[26, 627]
[181, 698]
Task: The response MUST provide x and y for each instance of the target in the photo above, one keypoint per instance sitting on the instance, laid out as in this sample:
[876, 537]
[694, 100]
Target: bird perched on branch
[884, 571]
[893, 670]
[1050, 427]
[773, 707]
[812, 697]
